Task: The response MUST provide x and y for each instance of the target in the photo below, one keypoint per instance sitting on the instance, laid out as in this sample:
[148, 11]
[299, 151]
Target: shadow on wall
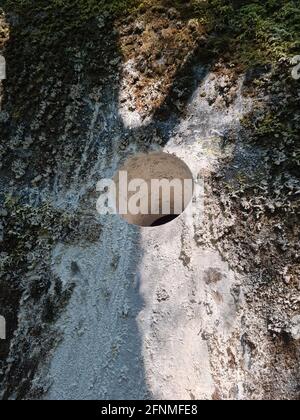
[49, 90]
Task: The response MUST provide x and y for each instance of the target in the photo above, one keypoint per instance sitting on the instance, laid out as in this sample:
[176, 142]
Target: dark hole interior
[165, 219]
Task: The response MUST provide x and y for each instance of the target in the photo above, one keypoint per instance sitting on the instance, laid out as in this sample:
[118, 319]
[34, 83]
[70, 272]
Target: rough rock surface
[205, 307]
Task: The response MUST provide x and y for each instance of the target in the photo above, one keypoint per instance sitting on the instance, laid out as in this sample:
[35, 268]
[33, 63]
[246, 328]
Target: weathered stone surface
[206, 307]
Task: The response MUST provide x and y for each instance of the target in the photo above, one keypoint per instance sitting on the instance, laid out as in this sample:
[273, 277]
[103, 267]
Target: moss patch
[249, 31]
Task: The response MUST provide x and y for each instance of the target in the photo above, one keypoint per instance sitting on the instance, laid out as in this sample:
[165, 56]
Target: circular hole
[153, 189]
[164, 220]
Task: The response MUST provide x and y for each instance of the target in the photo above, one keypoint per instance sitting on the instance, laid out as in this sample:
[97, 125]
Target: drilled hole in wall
[153, 189]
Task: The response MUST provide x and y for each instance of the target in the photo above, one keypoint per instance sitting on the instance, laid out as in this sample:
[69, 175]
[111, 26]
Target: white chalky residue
[143, 303]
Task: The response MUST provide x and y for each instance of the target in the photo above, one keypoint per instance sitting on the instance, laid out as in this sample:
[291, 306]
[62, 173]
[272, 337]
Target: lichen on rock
[215, 301]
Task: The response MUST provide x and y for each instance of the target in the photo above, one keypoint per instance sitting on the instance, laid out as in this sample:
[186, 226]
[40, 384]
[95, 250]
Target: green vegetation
[251, 31]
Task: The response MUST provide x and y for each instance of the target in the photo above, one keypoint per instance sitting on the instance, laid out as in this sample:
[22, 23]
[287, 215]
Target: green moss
[257, 32]
[83, 9]
[57, 21]
[277, 130]
[33, 226]
[249, 31]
